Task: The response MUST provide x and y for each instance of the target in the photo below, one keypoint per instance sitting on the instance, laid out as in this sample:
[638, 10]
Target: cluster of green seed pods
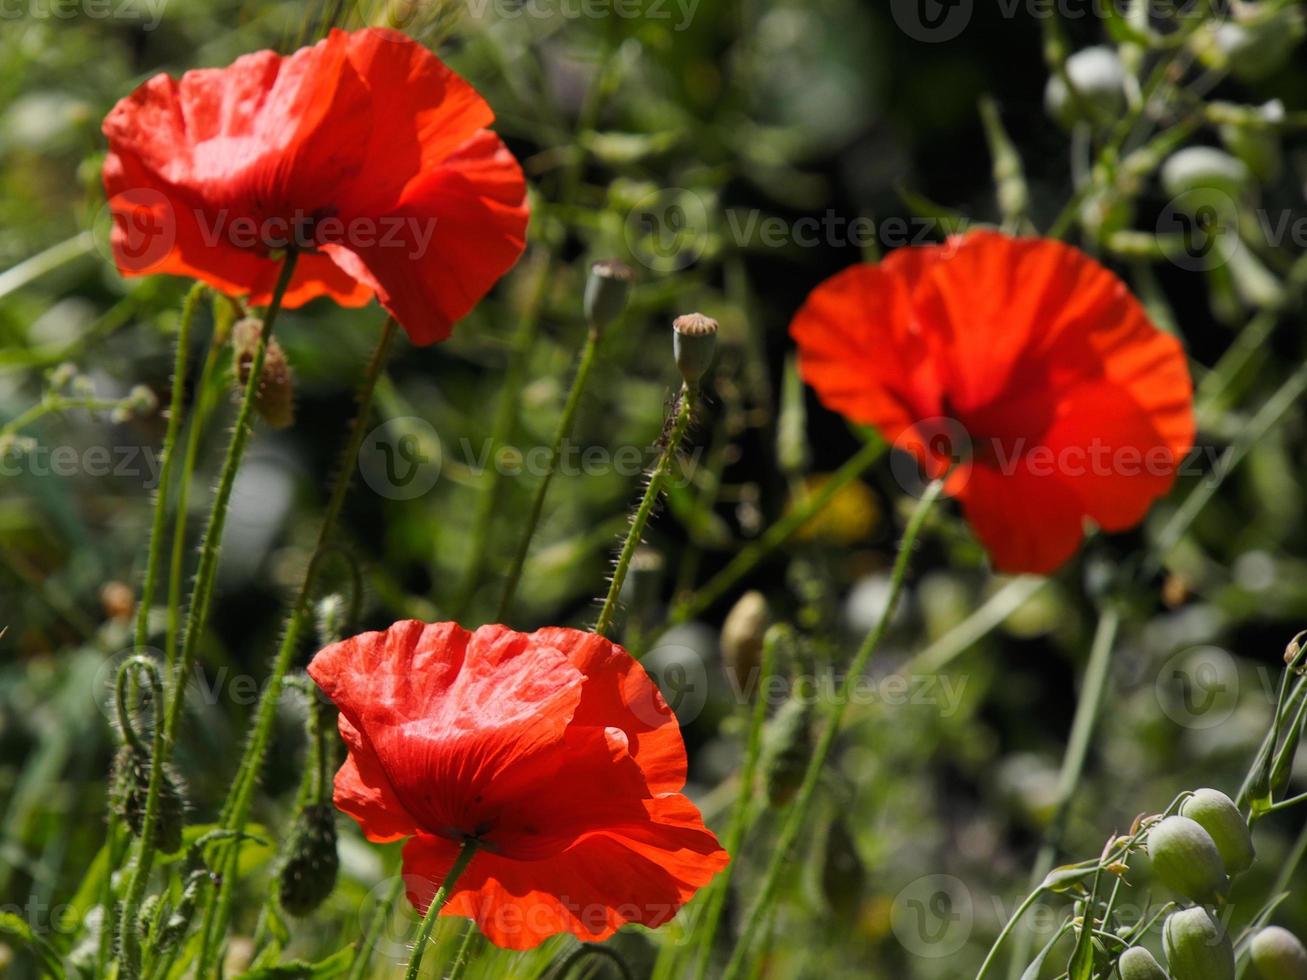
[1196, 852]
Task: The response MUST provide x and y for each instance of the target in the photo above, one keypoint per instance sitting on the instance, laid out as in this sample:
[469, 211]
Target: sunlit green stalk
[832, 714]
[197, 618]
[684, 411]
[465, 855]
[235, 812]
[561, 433]
[358, 969]
[175, 413]
[740, 813]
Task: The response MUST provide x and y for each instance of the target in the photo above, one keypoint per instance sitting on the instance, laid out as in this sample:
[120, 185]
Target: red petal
[591, 890]
[1026, 523]
[363, 791]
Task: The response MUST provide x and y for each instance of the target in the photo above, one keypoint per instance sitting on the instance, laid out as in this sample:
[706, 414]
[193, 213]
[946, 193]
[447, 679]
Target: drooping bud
[1293, 652]
[1098, 78]
[1197, 946]
[1186, 859]
[330, 618]
[741, 638]
[1136, 963]
[694, 341]
[130, 790]
[275, 399]
[1277, 954]
[606, 291]
[1216, 813]
[309, 872]
[788, 745]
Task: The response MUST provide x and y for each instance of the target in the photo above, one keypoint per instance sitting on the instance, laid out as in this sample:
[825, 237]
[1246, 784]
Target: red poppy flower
[364, 153]
[553, 750]
[1024, 361]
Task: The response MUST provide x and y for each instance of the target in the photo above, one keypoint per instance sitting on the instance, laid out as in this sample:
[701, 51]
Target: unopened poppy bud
[1197, 946]
[330, 618]
[606, 291]
[130, 790]
[1203, 176]
[1277, 954]
[275, 399]
[1294, 650]
[694, 341]
[843, 876]
[788, 746]
[1216, 813]
[1136, 963]
[1186, 859]
[1099, 80]
[309, 873]
[741, 639]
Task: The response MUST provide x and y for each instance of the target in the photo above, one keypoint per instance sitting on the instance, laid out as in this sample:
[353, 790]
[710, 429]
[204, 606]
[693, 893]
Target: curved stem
[832, 715]
[155, 549]
[1011, 924]
[236, 809]
[461, 862]
[561, 433]
[166, 734]
[685, 403]
[740, 813]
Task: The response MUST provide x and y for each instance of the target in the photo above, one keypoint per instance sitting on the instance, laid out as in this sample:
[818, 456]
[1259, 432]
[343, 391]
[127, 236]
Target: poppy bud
[330, 618]
[1293, 651]
[130, 789]
[741, 639]
[1197, 946]
[1186, 859]
[1205, 176]
[694, 340]
[606, 290]
[842, 874]
[275, 399]
[309, 873]
[1277, 954]
[1216, 813]
[1099, 80]
[1136, 963]
[788, 746]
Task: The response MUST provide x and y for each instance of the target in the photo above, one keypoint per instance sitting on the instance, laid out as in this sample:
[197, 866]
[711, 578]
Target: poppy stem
[461, 862]
[236, 809]
[561, 433]
[832, 715]
[165, 735]
[175, 413]
[685, 403]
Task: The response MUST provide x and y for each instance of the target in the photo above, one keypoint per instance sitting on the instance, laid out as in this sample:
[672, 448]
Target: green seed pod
[741, 639]
[694, 341]
[1254, 51]
[606, 291]
[1136, 963]
[1099, 81]
[1186, 859]
[129, 791]
[1216, 813]
[788, 746]
[843, 876]
[1203, 176]
[1277, 954]
[309, 872]
[1197, 946]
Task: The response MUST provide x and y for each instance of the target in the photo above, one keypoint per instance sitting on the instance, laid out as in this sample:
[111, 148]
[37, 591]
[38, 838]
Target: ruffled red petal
[1074, 405]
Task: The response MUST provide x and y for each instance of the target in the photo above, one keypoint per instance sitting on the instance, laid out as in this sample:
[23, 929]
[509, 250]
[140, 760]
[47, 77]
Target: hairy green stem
[465, 855]
[561, 433]
[832, 715]
[683, 412]
[363, 954]
[235, 812]
[197, 618]
[175, 413]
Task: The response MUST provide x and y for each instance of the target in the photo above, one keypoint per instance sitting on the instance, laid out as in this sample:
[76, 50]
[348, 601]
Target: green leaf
[1037, 964]
[12, 925]
[332, 966]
